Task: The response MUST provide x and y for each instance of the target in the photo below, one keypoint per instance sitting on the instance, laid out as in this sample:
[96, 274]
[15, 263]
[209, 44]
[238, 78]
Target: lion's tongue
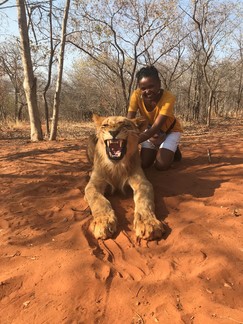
[115, 148]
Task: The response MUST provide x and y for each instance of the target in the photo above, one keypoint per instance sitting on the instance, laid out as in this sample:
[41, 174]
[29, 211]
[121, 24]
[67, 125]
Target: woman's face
[150, 88]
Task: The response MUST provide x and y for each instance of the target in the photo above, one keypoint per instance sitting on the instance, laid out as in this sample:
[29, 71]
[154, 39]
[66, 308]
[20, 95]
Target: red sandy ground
[53, 271]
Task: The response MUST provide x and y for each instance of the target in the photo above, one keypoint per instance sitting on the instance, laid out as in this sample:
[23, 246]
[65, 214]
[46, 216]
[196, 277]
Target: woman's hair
[148, 71]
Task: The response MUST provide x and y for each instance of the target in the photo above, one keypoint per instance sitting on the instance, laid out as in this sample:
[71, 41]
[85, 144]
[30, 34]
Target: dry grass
[80, 130]
[66, 130]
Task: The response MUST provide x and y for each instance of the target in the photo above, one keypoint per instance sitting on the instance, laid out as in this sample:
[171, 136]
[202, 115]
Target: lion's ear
[98, 119]
[141, 123]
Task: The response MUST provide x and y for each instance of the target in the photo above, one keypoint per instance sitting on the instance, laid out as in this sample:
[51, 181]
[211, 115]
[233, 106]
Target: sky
[9, 27]
[8, 19]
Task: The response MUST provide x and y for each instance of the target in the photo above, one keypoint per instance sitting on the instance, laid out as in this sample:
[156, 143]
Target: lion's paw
[148, 228]
[103, 227]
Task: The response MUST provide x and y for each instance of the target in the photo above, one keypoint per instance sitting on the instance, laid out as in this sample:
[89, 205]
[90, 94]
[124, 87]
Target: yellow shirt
[164, 107]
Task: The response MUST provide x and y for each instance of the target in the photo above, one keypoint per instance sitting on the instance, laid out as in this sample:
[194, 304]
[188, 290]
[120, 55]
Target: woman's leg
[164, 159]
[148, 156]
[166, 152]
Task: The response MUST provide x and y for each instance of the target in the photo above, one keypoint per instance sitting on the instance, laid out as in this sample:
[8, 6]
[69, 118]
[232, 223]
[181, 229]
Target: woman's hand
[143, 137]
[157, 139]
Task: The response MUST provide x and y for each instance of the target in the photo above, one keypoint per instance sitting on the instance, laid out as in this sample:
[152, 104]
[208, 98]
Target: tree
[239, 71]
[120, 35]
[30, 82]
[56, 103]
[196, 46]
[210, 22]
[52, 49]
[5, 99]
[44, 27]
[45, 31]
[91, 89]
[10, 62]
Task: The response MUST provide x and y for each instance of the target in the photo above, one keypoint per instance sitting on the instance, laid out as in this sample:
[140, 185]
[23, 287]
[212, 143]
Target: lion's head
[119, 135]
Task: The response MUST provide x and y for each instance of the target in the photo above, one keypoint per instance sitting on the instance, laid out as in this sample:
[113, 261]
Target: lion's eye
[104, 125]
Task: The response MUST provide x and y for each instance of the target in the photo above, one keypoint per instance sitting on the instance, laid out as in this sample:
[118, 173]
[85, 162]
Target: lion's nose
[114, 133]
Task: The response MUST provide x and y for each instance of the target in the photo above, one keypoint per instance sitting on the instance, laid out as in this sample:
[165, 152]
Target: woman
[160, 141]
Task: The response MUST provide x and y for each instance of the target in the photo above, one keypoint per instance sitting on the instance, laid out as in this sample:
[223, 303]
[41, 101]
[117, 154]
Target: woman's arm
[131, 114]
[154, 129]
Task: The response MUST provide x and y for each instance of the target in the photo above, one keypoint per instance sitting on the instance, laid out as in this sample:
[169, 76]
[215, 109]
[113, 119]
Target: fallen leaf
[26, 304]
[237, 213]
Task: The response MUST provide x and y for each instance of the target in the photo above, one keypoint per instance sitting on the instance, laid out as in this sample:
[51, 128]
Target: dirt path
[53, 271]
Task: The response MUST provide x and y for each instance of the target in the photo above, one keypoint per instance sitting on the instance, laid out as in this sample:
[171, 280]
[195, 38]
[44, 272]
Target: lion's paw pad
[149, 229]
[103, 228]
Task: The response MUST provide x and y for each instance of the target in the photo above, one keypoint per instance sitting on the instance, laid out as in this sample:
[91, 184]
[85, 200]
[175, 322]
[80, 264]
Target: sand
[52, 270]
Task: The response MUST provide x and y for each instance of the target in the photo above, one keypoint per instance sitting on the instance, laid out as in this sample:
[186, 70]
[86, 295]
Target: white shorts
[170, 143]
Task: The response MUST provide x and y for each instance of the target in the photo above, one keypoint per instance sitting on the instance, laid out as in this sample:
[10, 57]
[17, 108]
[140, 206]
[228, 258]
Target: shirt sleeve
[133, 105]
[167, 105]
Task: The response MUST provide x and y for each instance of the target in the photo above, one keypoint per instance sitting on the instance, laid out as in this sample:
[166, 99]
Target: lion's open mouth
[116, 148]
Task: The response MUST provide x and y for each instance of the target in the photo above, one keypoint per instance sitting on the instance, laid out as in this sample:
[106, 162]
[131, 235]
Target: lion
[114, 152]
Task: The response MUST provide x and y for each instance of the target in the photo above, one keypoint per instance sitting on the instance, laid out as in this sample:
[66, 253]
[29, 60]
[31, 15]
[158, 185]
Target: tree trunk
[56, 103]
[16, 103]
[209, 108]
[29, 78]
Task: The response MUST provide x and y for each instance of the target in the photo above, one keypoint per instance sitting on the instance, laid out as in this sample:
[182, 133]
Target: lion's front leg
[146, 225]
[104, 221]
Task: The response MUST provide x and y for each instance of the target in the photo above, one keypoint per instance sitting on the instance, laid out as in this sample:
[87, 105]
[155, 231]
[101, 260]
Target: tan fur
[118, 174]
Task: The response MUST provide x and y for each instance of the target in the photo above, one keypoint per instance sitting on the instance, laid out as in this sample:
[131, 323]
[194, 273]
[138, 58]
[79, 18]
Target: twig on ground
[209, 156]
[139, 291]
[140, 318]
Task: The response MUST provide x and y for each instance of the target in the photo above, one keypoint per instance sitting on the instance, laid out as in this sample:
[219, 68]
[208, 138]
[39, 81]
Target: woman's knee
[147, 157]
[146, 164]
[164, 159]
[162, 165]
